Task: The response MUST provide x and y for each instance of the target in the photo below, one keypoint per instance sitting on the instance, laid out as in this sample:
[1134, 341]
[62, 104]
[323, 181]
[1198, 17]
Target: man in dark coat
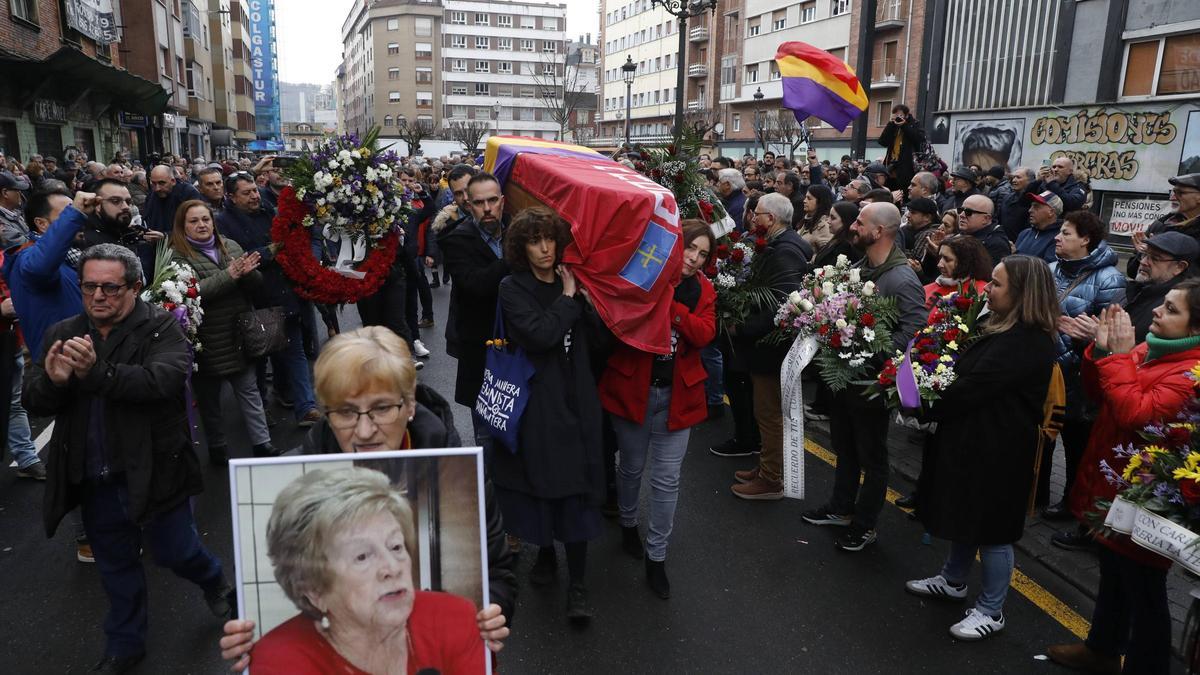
[248, 222]
[475, 259]
[1185, 191]
[166, 195]
[1045, 219]
[784, 264]
[962, 186]
[1059, 178]
[975, 219]
[858, 425]
[1012, 207]
[113, 378]
[903, 138]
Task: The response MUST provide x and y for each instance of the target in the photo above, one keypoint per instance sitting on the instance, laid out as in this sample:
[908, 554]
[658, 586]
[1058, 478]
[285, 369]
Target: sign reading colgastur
[262, 65]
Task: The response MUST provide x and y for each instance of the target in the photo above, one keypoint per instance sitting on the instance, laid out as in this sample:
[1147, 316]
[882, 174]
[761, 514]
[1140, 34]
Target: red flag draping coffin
[628, 246]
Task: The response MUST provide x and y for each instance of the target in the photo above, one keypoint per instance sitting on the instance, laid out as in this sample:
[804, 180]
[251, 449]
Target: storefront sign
[93, 18]
[262, 64]
[1127, 216]
[1133, 148]
[47, 110]
[134, 120]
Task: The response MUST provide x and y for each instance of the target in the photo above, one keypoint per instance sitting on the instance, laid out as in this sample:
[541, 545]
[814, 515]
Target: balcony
[695, 104]
[886, 73]
[697, 70]
[889, 15]
[698, 34]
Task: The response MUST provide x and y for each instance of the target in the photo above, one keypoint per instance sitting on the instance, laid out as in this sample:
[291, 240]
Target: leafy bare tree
[701, 121]
[785, 131]
[582, 134]
[412, 132]
[560, 90]
[468, 133]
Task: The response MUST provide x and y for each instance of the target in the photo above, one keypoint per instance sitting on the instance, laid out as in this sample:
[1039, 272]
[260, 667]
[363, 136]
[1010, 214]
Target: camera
[283, 162]
[898, 119]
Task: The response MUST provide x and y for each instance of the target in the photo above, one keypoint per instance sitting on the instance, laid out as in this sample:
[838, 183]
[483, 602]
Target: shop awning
[69, 72]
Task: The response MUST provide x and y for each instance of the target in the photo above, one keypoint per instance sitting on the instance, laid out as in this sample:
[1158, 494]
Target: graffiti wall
[1126, 147]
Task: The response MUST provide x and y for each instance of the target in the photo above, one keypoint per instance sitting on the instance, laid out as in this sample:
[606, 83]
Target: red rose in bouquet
[1190, 490]
[735, 236]
[760, 245]
[722, 251]
[835, 340]
[1178, 436]
[867, 320]
[737, 255]
[706, 210]
[962, 302]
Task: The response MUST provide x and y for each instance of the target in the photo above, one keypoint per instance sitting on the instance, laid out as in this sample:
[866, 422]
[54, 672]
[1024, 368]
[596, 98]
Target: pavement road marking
[42, 439]
[1021, 583]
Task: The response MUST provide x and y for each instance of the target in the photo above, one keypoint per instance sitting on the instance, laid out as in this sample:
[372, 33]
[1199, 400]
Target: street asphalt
[754, 589]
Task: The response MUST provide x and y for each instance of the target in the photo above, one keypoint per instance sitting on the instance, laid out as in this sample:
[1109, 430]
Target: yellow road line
[1021, 583]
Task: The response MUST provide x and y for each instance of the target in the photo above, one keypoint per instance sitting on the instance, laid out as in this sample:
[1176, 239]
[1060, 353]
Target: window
[424, 75]
[458, 18]
[504, 90]
[423, 26]
[752, 73]
[458, 65]
[737, 122]
[424, 99]
[779, 20]
[458, 111]
[527, 92]
[549, 23]
[393, 24]
[483, 89]
[504, 21]
[526, 45]
[504, 67]
[483, 66]
[774, 70]
[458, 41]
[549, 47]
[483, 42]
[481, 113]
[839, 7]
[26, 10]
[481, 19]
[458, 90]
[387, 120]
[808, 12]
[526, 68]
[393, 48]
[424, 51]
[549, 69]
[504, 44]
[753, 26]
[393, 97]
[528, 22]
[527, 115]
[393, 73]
[1175, 60]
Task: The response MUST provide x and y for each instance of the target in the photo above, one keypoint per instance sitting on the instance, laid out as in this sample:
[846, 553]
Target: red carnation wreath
[314, 281]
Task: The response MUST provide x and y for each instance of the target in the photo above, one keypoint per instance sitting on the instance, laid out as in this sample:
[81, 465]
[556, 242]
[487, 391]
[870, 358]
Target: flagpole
[866, 50]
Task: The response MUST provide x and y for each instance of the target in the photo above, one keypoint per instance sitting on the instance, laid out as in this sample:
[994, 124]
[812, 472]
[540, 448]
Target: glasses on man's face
[972, 212]
[109, 290]
[347, 418]
[1179, 193]
[1156, 258]
[118, 201]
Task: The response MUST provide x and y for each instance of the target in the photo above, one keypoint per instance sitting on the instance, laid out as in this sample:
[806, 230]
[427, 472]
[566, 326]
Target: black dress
[551, 488]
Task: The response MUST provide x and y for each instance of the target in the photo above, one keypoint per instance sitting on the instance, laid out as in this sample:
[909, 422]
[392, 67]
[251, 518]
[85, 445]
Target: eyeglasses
[1161, 258]
[109, 290]
[347, 418]
[1177, 192]
[118, 201]
[972, 212]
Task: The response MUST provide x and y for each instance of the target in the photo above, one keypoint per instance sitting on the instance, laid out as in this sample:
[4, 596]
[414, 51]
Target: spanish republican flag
[819, 84]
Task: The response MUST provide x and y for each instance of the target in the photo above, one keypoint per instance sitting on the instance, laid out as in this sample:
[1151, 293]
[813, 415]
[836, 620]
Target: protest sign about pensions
[1127, 215]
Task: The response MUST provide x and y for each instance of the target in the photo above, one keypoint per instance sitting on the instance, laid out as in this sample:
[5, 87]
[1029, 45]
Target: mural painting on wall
[1104, 128]
[1189, 161]
[988, 143]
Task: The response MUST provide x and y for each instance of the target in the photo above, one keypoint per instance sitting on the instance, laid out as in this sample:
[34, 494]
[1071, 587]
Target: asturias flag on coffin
[819, 84]
[628, 246]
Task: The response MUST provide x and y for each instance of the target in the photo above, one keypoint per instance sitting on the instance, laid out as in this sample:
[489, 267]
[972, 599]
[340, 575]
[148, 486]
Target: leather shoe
[656, 577]
[118, 664]
[1072, 540]
[1058, 511]
[1079, 656]
[631, 541]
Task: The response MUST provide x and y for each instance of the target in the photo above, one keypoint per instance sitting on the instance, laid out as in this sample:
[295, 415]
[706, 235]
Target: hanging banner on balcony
[94, 19]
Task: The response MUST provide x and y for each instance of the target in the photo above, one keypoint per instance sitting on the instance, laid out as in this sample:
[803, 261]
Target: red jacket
[625, 385]
[1132, 394]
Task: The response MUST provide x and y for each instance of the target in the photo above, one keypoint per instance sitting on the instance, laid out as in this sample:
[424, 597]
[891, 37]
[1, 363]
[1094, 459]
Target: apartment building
[224, 127]
[899, 65]
[154, 46]
[198, 55]
[633, 30]
[243, 87]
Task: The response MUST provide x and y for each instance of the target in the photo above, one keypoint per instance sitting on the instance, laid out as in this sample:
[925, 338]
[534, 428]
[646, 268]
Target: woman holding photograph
[339, 541]
[367, 384]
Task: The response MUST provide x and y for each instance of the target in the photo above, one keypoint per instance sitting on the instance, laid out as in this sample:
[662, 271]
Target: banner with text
[94, 18]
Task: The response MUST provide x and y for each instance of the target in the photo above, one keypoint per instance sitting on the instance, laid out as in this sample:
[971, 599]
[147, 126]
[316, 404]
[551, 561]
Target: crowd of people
[603, 418]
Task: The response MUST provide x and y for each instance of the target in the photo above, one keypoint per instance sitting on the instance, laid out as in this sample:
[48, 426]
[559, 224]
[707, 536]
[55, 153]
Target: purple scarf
[208, 248]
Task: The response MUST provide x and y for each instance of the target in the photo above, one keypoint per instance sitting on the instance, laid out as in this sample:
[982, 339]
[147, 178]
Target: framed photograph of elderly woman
[360, 565]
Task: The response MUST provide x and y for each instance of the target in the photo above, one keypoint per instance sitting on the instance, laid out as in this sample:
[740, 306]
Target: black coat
[559, 443]
[432, 427]
[783, 266]
[952, 200]
[976, 488]
[1012, 210]
[477, 273]
[900, 167]
[995, 241]
[1174, 222]
[252, 231]
[158, 213]
[140, 373]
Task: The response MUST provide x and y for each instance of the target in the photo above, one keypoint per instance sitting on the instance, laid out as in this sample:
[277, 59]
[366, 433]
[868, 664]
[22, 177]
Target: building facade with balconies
[634, 30]
[243, 84]
[201, 89]
[154, 44]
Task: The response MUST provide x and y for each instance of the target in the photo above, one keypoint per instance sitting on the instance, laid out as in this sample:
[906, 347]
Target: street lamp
[628, 71]
[496, 115]
[683, 10]
[758, 119]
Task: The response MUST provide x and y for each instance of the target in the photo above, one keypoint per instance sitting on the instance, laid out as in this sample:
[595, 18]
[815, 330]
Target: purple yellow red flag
[502, 151]
[818, 84]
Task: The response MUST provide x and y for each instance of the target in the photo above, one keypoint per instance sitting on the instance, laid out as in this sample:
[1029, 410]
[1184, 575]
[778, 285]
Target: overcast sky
[310, 39]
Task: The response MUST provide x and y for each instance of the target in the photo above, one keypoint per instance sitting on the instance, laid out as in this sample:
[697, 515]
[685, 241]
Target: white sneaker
[419, 348]
[976, 626]
[936, 587]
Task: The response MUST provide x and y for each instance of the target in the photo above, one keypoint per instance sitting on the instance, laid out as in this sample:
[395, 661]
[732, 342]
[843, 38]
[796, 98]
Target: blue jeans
[292, 365]
[171, 538]
[714, 386]
[665, 450]
[20, 437]
[997, 561]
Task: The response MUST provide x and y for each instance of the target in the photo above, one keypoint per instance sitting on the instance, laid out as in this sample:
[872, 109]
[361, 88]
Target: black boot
[435, 283]
[266, 450]
[578, 609]
[218, 455]
[631, 541]
[1059, 511]
[656, 577]
[545, 568]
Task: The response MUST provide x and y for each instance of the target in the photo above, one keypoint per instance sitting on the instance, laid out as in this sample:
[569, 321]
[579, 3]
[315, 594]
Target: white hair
[778, 206]
[733, 177]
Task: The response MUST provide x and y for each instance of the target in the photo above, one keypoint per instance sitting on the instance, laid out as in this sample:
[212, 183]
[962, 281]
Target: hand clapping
[1114, 333]
[75, 356]
[243, 265]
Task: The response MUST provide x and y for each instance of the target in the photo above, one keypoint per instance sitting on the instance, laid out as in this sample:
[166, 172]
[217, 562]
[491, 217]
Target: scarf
[895, 259]
[208, 248]
[1163, 346]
